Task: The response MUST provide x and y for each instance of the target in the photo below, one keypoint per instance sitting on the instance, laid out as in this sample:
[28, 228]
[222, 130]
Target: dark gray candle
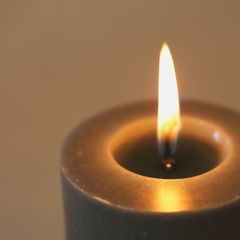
[114, 187]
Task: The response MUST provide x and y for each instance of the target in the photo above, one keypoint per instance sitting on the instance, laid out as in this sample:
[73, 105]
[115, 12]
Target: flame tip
[164, 46]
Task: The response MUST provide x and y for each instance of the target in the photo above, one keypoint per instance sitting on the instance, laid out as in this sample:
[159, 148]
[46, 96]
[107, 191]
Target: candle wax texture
[106, 198]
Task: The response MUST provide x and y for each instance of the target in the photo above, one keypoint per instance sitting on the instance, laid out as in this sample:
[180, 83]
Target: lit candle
[134, 173]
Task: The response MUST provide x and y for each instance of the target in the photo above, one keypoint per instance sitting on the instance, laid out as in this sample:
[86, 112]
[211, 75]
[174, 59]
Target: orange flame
[169, 122]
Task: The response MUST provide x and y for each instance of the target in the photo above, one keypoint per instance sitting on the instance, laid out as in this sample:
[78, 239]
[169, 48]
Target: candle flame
[169, 123]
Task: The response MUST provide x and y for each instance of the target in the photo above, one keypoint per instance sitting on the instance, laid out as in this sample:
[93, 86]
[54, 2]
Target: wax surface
[192, 157]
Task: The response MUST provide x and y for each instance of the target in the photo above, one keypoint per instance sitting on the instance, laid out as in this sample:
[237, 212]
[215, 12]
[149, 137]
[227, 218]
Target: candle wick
[168, 163]
[168, 160]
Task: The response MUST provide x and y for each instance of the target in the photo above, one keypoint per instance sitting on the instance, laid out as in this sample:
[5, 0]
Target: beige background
[61, 61]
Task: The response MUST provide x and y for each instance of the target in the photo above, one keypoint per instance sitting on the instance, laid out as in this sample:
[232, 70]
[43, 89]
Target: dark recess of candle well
[192, 157]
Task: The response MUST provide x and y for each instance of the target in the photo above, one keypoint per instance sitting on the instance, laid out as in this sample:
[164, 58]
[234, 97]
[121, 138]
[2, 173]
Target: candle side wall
[88, 219]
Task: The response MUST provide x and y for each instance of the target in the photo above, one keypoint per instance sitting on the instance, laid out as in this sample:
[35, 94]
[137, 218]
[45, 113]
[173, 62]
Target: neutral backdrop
[62, 61]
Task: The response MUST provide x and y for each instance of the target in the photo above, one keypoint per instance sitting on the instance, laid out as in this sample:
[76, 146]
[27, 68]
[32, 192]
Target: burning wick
[168, 161]
[169, 123]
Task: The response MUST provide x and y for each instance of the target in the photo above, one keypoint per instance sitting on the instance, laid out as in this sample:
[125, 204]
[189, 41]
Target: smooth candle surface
[94, 179]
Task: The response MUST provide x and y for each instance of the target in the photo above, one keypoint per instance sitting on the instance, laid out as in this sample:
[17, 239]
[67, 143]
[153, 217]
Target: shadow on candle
[192, 157]
[199, 150]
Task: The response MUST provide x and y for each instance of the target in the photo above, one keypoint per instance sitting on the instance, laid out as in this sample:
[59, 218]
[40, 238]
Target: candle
[137, 173]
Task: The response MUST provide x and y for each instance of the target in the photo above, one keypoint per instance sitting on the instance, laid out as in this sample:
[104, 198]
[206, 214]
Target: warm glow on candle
[168, 101]
[170, 198]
